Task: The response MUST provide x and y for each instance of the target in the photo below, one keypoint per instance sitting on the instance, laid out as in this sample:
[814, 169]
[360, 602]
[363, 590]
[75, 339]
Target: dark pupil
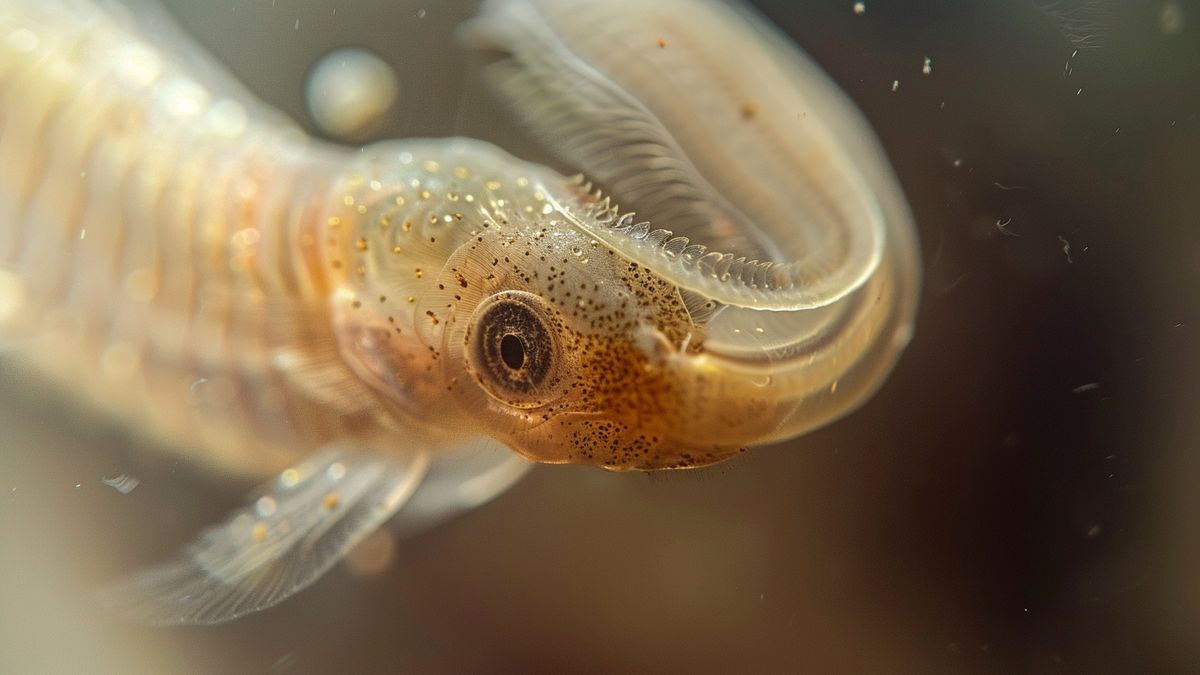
[513, 345]
[512, 352]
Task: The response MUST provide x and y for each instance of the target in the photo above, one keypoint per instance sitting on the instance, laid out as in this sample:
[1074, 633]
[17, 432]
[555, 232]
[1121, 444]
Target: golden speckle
[330, 501]
[661, 42]
[426, 194]
[749, 110]
[334, 222]
[361, 244]
[432, 166]
[396, 250]
[461, 172]
[348, 200]
[418, 273]
[259, 532]
[399, 201]
[493, 185]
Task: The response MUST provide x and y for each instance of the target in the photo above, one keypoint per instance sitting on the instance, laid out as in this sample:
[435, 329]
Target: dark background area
[1020, 496]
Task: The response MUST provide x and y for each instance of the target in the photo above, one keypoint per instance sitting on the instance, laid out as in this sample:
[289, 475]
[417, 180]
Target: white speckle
[927, 66]
[137, 65]
[336, 471]
[1090, 386]
[895, 85]
[350, 91]
[184, 98]
[1093, 532]
[297, 26]
[265, 506]
[123, 483]
[860, 8]
[78, 485]
[421, 13]
[83, 175]
[245, 237]
[957, 163]
[83, 233]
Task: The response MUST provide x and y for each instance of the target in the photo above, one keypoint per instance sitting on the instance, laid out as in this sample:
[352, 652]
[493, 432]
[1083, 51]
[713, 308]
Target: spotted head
[474, 304]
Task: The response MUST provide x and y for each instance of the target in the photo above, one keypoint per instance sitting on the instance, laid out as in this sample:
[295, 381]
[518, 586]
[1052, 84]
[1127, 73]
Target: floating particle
[661, 42]
[860, 8]
[895, 85]
[349, 91]
[1090, 386]
[927, 66]
[123, 483]
[1066, 249]
[749, 110]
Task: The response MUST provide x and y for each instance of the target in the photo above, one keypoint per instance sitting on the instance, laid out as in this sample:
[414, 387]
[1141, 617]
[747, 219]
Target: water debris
[123, 483]
[661, 42]
[895, 85]
[1066, 249]
[1090, 386]
[1002, 225]
[1093, 532]
[1008, 187]
[927, 67]
[1069, 67]
[860, 8]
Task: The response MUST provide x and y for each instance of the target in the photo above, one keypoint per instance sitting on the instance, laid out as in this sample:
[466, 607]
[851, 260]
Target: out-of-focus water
[1019, 497]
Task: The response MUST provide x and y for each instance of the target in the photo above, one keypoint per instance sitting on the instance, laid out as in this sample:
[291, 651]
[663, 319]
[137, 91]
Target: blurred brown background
[989, 511]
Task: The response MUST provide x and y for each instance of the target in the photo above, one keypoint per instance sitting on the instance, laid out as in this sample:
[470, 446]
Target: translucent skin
[180, 257]
[450, 226]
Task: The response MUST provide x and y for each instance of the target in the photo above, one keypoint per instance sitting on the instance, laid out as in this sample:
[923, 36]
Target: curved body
[186, 260]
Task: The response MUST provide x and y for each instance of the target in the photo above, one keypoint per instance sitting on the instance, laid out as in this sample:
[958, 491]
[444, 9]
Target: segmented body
[157, 241]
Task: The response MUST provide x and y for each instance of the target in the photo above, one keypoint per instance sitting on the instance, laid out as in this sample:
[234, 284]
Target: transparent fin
[458, 481]
[774, 217]
[293, 530]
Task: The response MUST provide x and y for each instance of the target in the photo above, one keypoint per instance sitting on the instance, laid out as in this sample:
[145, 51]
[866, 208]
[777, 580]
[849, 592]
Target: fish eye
[513, 349]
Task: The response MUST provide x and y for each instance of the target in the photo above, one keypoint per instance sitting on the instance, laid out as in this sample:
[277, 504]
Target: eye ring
[513, 349]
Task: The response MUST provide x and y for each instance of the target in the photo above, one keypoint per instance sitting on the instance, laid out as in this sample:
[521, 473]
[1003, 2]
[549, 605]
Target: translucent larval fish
[395, 332]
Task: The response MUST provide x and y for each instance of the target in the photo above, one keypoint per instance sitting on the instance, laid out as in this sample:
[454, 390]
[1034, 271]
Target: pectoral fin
[294, 529]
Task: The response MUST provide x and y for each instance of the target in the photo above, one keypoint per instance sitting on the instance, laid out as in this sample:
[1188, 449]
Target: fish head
[557, 345]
